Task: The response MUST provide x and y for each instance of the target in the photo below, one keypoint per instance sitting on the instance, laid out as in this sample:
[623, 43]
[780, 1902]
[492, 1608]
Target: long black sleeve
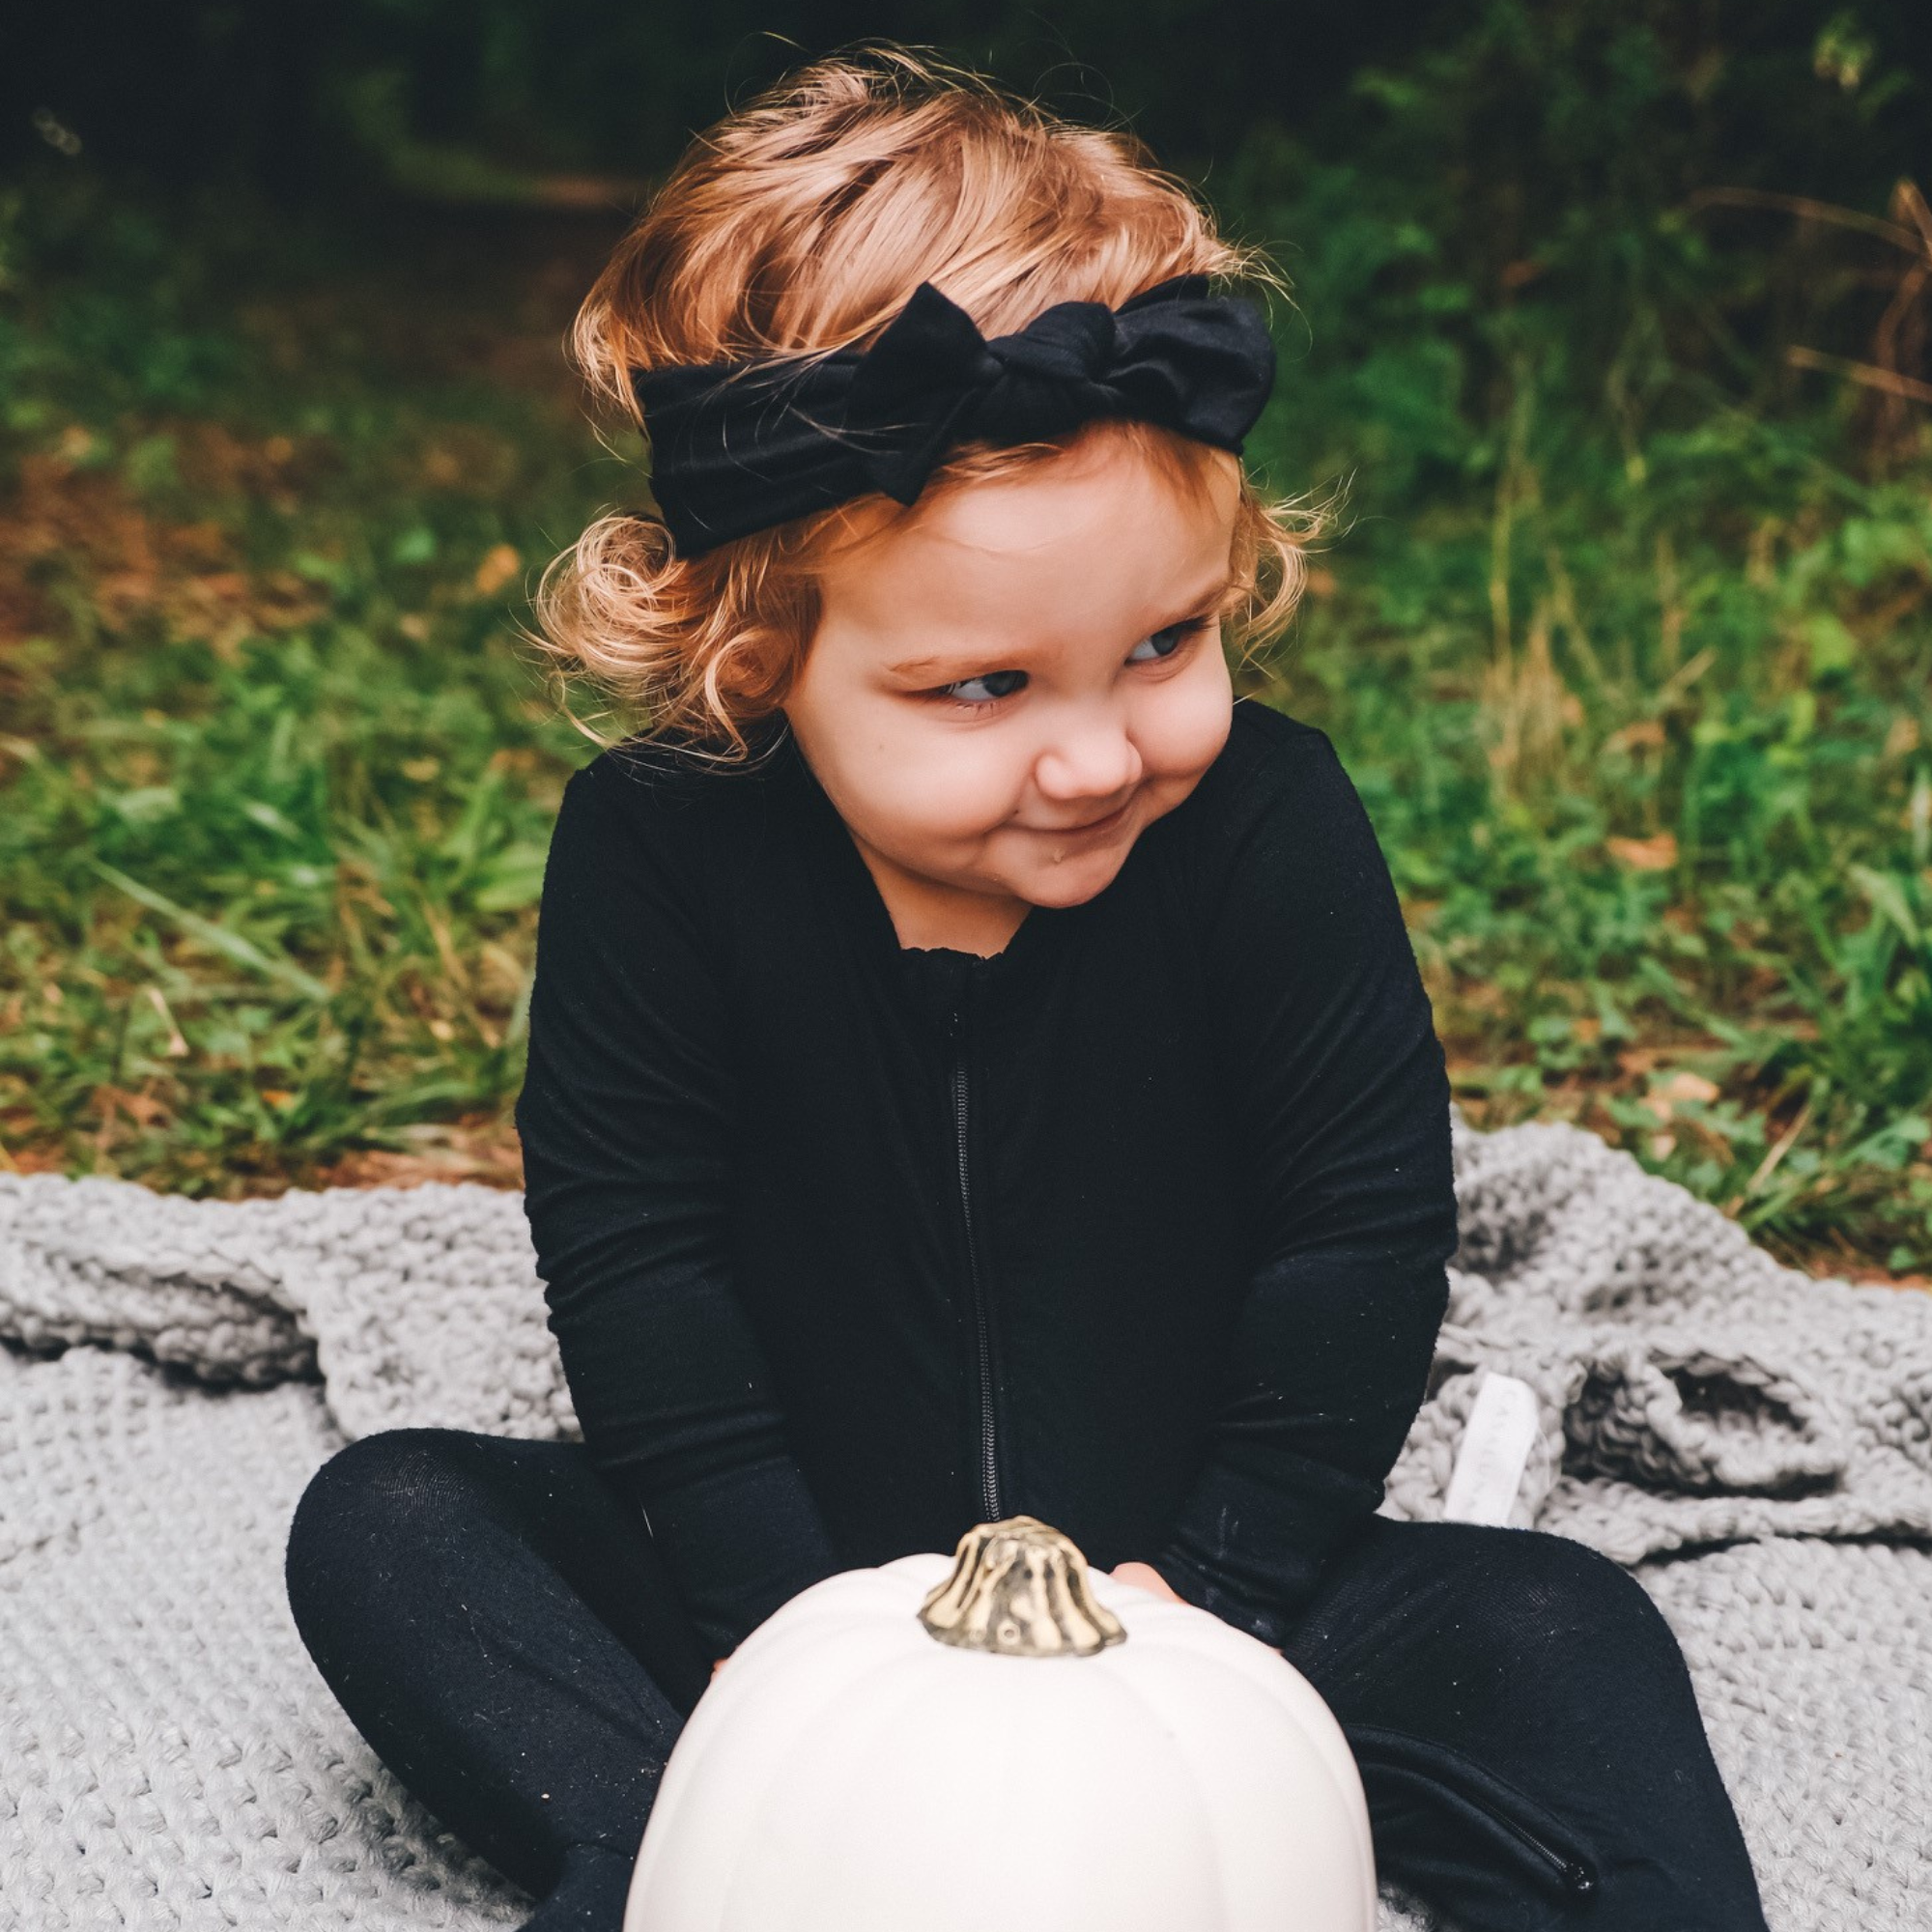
[1343, 1101]
[626, 1117]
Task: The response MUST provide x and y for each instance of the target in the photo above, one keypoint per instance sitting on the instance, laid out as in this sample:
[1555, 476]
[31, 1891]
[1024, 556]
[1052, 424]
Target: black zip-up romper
[1137, 1227]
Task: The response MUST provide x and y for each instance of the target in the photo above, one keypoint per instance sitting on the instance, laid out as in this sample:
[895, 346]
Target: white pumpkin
[1004, 1738]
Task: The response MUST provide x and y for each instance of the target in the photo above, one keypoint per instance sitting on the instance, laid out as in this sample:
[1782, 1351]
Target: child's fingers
[1144, 1577]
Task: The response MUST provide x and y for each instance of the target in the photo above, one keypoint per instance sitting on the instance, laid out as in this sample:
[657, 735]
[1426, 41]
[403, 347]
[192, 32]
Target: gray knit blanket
[1757, 1445]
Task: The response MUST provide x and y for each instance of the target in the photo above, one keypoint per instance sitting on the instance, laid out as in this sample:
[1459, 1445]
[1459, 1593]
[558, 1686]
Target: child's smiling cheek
[1001, 697]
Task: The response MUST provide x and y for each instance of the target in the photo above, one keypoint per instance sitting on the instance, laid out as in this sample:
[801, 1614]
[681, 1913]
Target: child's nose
[1093, 761]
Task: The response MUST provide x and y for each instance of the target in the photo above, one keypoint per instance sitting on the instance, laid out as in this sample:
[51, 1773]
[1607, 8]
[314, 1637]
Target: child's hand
[1144, 1577]
[716, 1668]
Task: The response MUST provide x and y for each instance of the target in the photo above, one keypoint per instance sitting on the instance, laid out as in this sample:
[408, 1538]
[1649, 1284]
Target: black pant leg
[495, 1621]
[1528, 1732]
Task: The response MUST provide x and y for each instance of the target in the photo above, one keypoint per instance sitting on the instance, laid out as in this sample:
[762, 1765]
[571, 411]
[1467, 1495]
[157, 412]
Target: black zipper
[989, 1473]
[1574, 1875]
[1385, 1750]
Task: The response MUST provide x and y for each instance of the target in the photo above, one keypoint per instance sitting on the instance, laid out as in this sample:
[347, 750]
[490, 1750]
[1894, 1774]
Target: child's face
[1022, 661]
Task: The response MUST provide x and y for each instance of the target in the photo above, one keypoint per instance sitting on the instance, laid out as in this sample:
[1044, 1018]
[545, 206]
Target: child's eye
[1172, 637]
[1177, 635]
[986, 677]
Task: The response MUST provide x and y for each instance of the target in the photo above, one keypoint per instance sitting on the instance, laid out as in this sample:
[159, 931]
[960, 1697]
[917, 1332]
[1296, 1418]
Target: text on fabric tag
[1494, 1451]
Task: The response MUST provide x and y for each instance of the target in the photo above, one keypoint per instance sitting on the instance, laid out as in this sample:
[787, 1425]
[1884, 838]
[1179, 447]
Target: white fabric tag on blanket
[1496, 1440]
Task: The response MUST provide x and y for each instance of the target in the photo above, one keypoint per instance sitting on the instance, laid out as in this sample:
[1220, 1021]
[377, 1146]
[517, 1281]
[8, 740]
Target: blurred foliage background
[1611, 340]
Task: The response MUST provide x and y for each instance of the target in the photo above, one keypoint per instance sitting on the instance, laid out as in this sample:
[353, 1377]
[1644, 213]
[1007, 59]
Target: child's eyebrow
[1206, 604]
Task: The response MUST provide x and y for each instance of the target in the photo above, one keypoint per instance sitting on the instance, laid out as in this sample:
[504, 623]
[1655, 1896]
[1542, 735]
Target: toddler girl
[976, 1066]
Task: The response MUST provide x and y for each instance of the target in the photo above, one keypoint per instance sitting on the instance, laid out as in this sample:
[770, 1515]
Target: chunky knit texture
[169, 1757]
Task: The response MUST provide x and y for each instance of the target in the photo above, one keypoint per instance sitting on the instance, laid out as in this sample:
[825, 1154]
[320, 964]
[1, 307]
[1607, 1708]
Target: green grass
[1643, 719]
[279, 772]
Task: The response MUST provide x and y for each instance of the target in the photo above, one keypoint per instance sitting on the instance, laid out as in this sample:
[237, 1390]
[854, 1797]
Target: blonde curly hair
[801, 222]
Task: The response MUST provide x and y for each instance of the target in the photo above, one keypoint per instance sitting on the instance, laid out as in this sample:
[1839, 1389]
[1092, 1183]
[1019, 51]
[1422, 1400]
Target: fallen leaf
[1644, 855]
[1647, 732]
[1663, 1098]
[1687, 1086]
[499, 566]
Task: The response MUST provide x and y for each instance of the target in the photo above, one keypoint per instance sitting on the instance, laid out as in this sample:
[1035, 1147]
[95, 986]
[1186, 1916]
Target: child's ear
[756, 670]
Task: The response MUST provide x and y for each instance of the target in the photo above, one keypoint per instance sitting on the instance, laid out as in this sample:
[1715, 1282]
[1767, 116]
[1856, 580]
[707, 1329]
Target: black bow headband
[739, 447]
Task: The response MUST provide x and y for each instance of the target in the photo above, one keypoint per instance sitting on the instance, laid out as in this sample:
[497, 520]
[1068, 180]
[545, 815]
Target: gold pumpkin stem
[1020, 1588]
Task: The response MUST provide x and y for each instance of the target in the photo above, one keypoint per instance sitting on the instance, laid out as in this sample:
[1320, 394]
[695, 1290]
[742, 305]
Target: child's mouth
[1092, 826]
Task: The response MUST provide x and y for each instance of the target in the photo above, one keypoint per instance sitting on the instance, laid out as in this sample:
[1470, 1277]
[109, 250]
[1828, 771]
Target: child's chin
[1074, 882]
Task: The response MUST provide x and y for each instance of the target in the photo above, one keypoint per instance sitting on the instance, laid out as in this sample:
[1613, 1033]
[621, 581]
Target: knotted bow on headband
[740, 446]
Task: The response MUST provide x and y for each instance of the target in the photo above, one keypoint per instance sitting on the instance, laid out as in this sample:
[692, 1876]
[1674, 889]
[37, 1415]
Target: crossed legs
[495, 1621]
